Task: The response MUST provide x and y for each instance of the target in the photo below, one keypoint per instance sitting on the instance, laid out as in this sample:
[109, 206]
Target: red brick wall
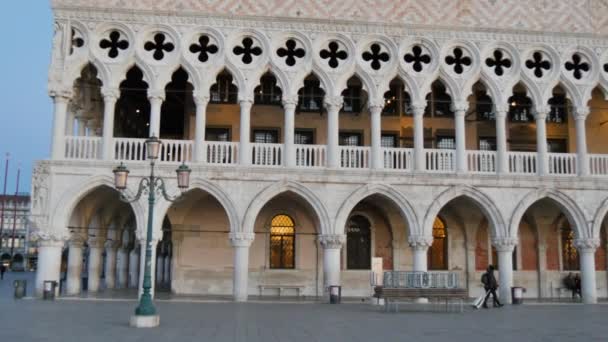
[552, 249]
[600, 254]
[384, 246]
[528, 247]
[481, 246]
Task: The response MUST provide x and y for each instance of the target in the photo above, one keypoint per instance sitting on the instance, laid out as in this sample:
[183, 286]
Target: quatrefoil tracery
[499, 63]
[417, 58]
[376, 56]
[291, 52]
[159, 46]
[577, 66]
[537, 64]
[114, 44]
[458, 60]
[204, 48]
[247, 50]
[333, 55]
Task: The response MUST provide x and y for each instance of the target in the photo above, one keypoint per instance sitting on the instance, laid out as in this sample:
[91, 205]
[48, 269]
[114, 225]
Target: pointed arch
[384, 190]
[598, 219]
[576, 216]
[325, 81]
[483, 201]
[75, 72]
[276, 189]
[283, 81]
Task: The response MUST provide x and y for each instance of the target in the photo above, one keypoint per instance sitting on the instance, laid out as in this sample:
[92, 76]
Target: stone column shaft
[160, 269]
[461, 157]
[199, 128]
[74, 276]
[502, 162]
[122, 265]
[419, 158]
[332, 245]
[59, 122]
[541, 144]
[289, 153]
[333, 107]
[586, 250]
[134, 267]
[245, 132]
[49, 262]
[110, 267]
[240, 243]
[377, 161]
[581, 143]
[156, 99]
[110, 96]
[94, 267]
[504, 248]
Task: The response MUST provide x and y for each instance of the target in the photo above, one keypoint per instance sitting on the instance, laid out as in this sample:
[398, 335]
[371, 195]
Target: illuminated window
[569, 252]
[358, 243]
[437, 255]
[282, 242]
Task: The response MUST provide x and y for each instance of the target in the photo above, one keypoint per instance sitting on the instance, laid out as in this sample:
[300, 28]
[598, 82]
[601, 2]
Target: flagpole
[3, 199]
[15, 213]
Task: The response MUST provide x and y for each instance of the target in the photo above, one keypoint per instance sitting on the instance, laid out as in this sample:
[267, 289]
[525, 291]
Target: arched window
[282, 242]
[438, 253]
[358, 243]
[569, 252]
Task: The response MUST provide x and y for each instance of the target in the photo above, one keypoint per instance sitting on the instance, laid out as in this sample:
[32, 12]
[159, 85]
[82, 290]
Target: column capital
[110, 93]
[241, 239]
[581, 113]
[332, 241]
[61, 95]
[418, 107]
[540, 112]
[95, 242]
[504, 244]
[290, 100]
[587, 245]
[76, 241]
[460, 107]
[376, 108]
[420, 242]
[333, 103]
[200, 100]
[111, 244]
[50, 239]
[156, 95]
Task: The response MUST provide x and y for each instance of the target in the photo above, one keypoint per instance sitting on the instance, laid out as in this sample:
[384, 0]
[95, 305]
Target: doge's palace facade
[435, 135]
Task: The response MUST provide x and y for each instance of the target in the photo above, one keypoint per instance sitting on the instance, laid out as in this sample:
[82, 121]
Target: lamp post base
[138, 321]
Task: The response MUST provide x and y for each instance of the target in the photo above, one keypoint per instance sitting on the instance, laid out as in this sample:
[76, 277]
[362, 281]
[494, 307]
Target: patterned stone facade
[564, 16]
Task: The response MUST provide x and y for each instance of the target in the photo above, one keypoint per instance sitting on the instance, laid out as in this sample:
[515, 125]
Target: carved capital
[420, 242]
[504, 244]
[333, 104]
[50, 238]
[460, 107]
[111, 244]
[540, 112]
[587, 245]
[241, 239]
[156, 95]
[581, 113]
[201, 100]
[290, 102]
[332, 241]
[375, 109]
[77, 240]
[61, 95]
[110, 94]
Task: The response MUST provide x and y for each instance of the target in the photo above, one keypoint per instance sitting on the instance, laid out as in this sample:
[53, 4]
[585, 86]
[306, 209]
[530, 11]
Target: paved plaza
[87, 320]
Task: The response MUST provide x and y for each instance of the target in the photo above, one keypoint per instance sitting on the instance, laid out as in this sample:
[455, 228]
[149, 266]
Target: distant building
[15, 248]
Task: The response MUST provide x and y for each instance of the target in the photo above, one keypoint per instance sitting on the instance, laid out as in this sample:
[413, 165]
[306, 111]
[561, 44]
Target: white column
[459, 123]
[377, 161]
[541, 142]
[502, 163]
[134, 267]
[167, 270]
[420, 245]
[61, 100]
[504, 248]
[74, 276]
[95, 263]
[69, 125]
[110, 266]
[122, 265]
[289, 151]
[160, 269]
[200, 125]
[586, 250]
[332, 245]
[142, 267]
[49, 261]
[82, 127]
[419, 158]
[581, 141]
[240, 243]
[333, 106]
[245, 134]
[110, 96]
[156, 98]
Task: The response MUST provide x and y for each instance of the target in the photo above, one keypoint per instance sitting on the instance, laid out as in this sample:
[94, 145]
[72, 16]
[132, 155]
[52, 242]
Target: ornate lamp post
[145, 313]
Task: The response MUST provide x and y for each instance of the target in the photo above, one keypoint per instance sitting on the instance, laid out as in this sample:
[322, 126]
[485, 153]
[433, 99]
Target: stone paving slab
[87, 320]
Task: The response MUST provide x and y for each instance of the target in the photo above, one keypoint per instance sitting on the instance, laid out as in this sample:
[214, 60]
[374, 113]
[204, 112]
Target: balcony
[315, 157]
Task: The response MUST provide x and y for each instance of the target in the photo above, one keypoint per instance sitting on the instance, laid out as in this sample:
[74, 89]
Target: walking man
[2, 270]
[490, 285]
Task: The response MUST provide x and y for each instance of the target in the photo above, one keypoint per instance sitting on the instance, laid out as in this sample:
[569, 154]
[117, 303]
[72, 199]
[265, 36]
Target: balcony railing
[481, 161]
[522, 162]
[311, 155]
[354, 157]
[82, 147]
[350, 157]
[440, 160]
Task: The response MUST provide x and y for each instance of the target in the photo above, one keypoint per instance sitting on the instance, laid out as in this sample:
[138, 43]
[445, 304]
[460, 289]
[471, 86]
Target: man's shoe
[485, 306]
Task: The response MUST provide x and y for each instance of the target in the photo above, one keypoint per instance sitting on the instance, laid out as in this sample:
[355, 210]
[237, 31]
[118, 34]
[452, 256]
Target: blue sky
[25, 107]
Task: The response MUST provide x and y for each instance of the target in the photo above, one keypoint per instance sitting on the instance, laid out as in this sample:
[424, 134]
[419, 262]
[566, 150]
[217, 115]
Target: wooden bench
[298, 288]
[392, 296]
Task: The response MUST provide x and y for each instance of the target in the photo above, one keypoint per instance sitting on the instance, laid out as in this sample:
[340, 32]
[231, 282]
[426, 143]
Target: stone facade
[216, 240]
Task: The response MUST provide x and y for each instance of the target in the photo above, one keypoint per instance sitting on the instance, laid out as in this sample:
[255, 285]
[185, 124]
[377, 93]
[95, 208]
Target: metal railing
[420, 280]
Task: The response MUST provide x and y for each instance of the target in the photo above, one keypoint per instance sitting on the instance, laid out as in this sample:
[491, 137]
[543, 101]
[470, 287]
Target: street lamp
[145, 313]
